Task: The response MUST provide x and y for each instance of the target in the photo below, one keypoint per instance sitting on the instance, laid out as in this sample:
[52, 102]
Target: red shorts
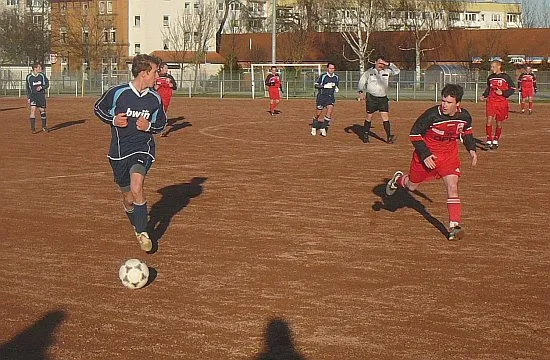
[274, 94]
[527, 93]
[165, 102]
[497, 110]
[445, 165]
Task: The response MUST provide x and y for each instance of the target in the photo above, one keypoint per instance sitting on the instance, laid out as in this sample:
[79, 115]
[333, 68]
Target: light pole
[273, 31]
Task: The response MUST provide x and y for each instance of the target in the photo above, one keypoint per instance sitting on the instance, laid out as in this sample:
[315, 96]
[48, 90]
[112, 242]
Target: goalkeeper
[327, 86]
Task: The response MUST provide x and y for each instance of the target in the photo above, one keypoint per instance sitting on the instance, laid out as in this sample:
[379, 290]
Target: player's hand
[142, 123]
[482, 98]
[498, 92]
[29, 101]
[430, 161]
[361, 97]
[121, 120]
[39, 88]
[336, 89]
[473, 155]
[156, 87]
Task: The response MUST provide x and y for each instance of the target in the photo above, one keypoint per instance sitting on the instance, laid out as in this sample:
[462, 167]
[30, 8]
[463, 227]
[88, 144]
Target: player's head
[146, 68]
[496, 66]
[273, 69]
[451, 96]
[331, 68]
[528, 69]
[380, 63]
[36, 67]
[163, 68]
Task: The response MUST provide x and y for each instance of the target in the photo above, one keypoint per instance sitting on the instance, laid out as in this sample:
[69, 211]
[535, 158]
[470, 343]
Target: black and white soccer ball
[133, 274]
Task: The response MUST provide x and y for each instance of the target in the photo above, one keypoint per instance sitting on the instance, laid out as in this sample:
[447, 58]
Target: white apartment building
[38, 9]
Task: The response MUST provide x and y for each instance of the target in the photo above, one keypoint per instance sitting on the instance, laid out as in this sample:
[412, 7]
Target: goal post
[264, 68]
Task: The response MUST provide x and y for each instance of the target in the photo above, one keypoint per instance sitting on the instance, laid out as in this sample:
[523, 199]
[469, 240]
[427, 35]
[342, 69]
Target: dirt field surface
[273, 244]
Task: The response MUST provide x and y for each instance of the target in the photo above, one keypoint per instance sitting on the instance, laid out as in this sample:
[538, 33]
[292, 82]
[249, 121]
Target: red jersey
[527, 82]
[500, 81]
[437, 133]
[163, 82]
[273, 81]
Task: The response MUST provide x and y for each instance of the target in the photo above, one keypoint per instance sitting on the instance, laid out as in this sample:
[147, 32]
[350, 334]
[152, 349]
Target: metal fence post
[397, 92]
[436, 91]
[477, 92]
[287, 89]
[76, 88]
[189, 88]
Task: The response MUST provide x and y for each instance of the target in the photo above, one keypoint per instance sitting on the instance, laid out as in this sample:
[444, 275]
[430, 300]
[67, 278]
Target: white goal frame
[310, 65]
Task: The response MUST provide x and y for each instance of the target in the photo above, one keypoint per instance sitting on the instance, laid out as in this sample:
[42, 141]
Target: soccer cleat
[391, 186]
[487, 146]
[272, 113]
[391, 139]
[494, 146]
[365, 139]
[523, 111]
[323, 132]
[455, 233]
[45, 129]
[530, 112]
[313, 132]
[144, 241]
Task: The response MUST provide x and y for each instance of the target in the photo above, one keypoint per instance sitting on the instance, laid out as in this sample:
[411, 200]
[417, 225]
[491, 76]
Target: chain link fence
[297, 83]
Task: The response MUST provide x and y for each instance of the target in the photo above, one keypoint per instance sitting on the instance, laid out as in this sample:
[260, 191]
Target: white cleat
[391, 186]
[144, 241]
[323, 132]
[313, 132]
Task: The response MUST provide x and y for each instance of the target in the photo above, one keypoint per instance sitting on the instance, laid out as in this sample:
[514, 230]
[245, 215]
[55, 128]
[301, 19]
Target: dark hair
[162, 64]
[142, 62]
[380, 57]
[453, 90]
[35, 65]
[331, 63]
[273, 67]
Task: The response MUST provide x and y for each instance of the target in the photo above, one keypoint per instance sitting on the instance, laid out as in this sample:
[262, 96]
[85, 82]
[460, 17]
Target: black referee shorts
[377, 103]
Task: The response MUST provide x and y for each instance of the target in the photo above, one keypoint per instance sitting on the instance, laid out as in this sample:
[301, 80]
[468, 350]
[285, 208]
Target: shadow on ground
[278, 342]
[33, 342]
[172, 125]
[404, 199]
[358, 130]
[174, 199]
[66, 124]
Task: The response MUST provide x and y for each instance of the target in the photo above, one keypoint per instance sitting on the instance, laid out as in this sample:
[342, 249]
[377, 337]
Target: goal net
[297, 79]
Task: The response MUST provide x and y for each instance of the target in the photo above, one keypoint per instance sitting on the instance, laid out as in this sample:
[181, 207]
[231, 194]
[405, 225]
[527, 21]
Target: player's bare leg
[137, 178]
[498, 133]
[489, 132]
[315, 121]
[530, 99]
[32, 118]
[387, 127]
[366, 128]
[326, 121]
[453, 207]
[523, 105]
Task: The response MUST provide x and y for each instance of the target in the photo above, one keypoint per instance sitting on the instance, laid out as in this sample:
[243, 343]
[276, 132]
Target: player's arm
[28, 86]
[158, 120]
[104, 108]
[419, 129]
[173, 81]
[534, 83]
[46, 82]
[336, 83]
[319, 82]
[469, 140]
[486, 92]
[394, 70]
[511, 87]
[362, 82]
[268, 80]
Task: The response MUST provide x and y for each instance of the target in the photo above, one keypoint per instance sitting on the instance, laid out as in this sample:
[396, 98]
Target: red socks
[530, 106]
[402, 180]
[522, 106]
[498, 132]
[271, 108]
[453, 207]
[489, 132]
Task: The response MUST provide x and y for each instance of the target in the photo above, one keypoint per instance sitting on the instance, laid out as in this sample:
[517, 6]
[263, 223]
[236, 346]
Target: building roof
[212, 57]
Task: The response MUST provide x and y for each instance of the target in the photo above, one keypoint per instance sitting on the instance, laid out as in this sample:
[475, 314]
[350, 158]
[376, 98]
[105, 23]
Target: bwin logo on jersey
[135, 114]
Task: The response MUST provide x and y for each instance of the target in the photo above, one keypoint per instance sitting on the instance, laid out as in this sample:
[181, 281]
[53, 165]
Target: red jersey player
[500, 87]
[434, 137]
[165, 85]
[527, 84]
[274, 86]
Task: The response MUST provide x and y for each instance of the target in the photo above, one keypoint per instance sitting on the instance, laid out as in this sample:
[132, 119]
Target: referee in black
[375, 83]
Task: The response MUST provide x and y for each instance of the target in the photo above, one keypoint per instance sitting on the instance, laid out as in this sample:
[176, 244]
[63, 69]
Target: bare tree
[422, 18]
[360, 19]
[179, 37]
[535, 14]
[204, 23]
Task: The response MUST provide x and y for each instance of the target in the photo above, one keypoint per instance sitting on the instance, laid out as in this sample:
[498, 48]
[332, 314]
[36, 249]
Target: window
[105, 35]
[63, 35]
[166, 21]
[438, 15]
[196, 37]
[496, 18]
[186, 7]
[187, 37]
[13, 2]
[102, 7]
[235, 6]
[196, 5]
[165, 45]
[85, 8]
[37, 20]
[63, 7]
[234, 23]
[512, 18]
[137, 21]
[113, 35]
[470, 16]
[454, 16]
[220, 6]
[85, 36]
[109, 7]
[137, 49]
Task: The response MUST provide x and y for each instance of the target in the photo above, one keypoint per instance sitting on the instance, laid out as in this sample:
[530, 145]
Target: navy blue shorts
[377, 103]
[38, 100]
[323, 101]
[140, 163]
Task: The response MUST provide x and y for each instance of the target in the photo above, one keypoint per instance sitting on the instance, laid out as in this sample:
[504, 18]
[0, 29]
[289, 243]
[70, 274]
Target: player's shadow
[358, 130]
[404, 199]
[33, 342]
[278, 342]
[66, 124]
[173, 125]
[174, 199]
[12, 108]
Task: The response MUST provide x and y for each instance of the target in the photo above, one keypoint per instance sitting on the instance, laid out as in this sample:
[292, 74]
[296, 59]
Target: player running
[500, 87]
[527, 85]
[375, 82]
[135, 112]
[37, 82]
[165, 85]
[327, 86]
[274, 89]
[434, 137]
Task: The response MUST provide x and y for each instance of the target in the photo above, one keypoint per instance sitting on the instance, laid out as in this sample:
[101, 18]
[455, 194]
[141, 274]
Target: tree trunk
[197, 65]
[417, 56]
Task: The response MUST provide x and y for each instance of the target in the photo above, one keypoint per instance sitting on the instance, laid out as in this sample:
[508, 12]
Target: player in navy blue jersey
[37, 83]
[135, 112]
[327, 86]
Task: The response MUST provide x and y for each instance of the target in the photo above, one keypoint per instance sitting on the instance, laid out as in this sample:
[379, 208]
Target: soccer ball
[133, 274]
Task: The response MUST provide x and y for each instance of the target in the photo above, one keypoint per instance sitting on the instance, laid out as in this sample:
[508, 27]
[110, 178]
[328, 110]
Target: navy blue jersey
[34, 82]
[125, 98]
[325, 79]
